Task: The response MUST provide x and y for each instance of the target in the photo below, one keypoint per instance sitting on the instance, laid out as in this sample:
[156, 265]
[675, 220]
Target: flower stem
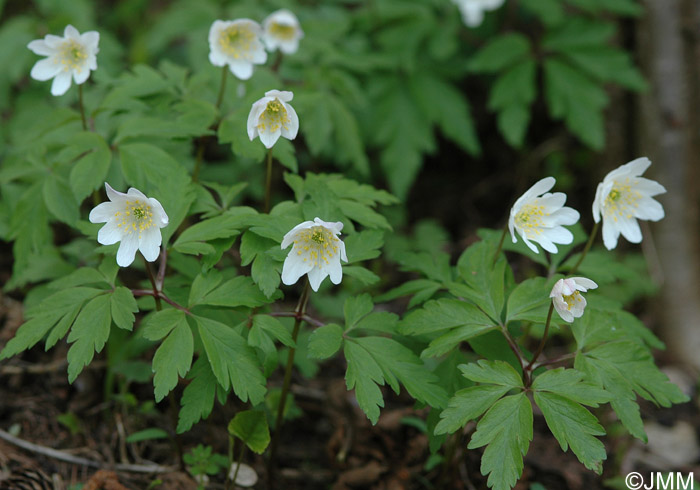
[82, 107]
[268, 180]
[500, 243]
[594, 232]
[300, 310]
[198, 159]
[222, 87]
[238, 464]
[151, 277]
[540, 347]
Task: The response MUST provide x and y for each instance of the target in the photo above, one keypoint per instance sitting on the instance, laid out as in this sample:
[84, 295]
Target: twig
[161, 295]
[69, 458]
[294, 314]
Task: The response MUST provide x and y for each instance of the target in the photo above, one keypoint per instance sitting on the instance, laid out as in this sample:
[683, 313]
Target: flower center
[285, 32]
[571, 299]
[236, 41]
[136, 217]
[73, 55]
[317, 244]
[273, 117]
[622, 200]
[530, 218]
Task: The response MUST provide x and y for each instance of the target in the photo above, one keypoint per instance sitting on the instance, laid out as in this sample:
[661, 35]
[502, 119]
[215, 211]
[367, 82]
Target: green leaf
[444, 314]
[529, 301]
[578, 100]
[79, 277]
[375, 360]
[173, 358]
[504, 51]
[484, 278]
[573, 426]
[227, 225]
[355, 308]
[89, 334]
[55, 314]
[232, 361]
[608, 65]
[550, 12]
[198, 397]
[202, 285]
[266, 273]
[123, 306]
[578, 32]
[239, 291]
[364, 245]
[365, 276]
[468, 404]
[325, 341]
[492, 372]
[569, 384]
[147, 435]
[90, 171]
[363, 214]
[626, 369]
[253, 244]
[506, 430]
[60, 201]
[272, 327]
[250, 426]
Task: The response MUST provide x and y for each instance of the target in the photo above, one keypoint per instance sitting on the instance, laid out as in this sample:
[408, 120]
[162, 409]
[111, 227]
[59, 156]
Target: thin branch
[69, 458]
[161, 295]
[294, 314]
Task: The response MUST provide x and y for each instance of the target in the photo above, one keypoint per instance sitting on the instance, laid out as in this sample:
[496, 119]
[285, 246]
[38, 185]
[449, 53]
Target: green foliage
[250, 426]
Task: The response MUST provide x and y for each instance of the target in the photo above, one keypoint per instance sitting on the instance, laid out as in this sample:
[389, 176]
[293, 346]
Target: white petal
[40, 47]
[565, 216]
[134, 192]
[45, 69]
[161, 217]
[254, 117]
[291, 132]
[71, 33]
[637, 167]
[217, 58]
[80, 76]
[546, 243]
[109, 233]
[556, 289]
[241, 69]
[649, 187]
[113, 195]
[335, 271]
[341, 246]
[103, 212]
[127, 249]
[559, 234]
[597, 203]
[91, 39]
[294, 267]
[61, 83]
[259, 55]
[585, 282]
[269, 138]
[289, 237]
[563, 310]
[53, 41]
[529, 244]
[555, 200]
[289, 47]
[650, 209]
[630, 229]
[282, 95]
[610, 233]
[316, 277]
[149, 244]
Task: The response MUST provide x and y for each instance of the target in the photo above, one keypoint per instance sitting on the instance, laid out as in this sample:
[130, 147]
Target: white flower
[539, 217]
[71, 56]
[567, 298]
[236, 43]
[281, 29]
[624, 197]
[272, 117]
[473, 10]
[317, 252]
[133, 219]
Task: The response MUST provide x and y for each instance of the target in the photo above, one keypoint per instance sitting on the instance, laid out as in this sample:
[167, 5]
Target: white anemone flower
[281, 30]
[72, 56]
[473, 10]
[317, 252]
[567, 298]
[236, 43]
[132, 219]
[272, 117]
[624, 197]
[538, 217]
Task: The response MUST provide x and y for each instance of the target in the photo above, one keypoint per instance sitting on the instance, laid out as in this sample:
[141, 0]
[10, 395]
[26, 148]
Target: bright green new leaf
[123, 307]
[173, 358]
[232, 361]
[250, 426]
[493, 372]
[575, 427]
[90, 171]
[570, 383]
[89, 334]
[484, 279]
[506, 430]
[202, 285]
[229, 224]
[444, 314]
[266, 273]
[355, 308]
[159, 324]
[271, 327]
[147, 435]
[325, 341]
[239, 291]
[364, 245]
[364, 374]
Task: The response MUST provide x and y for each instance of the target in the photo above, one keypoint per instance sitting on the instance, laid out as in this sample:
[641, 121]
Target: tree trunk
[670, 138]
